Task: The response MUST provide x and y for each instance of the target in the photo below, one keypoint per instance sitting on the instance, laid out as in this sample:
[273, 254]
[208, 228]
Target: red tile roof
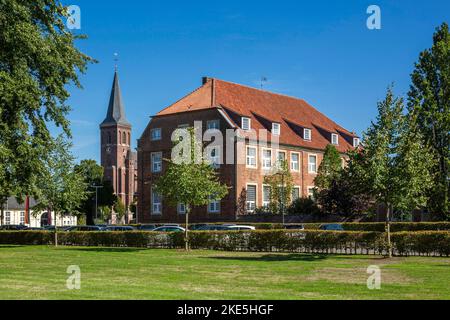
[264, 107]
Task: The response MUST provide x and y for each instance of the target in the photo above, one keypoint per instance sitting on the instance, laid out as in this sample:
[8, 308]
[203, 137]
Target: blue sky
[320, 51]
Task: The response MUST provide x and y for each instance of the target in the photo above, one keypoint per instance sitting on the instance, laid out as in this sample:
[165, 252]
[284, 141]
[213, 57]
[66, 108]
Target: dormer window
[156, 134]
[246, 124]
[307, 134]
[334, 139]
[355, 142]
[276, 129]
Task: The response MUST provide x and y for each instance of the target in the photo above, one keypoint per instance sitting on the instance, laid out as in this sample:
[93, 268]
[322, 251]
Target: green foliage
[119, 209]
[304, 206]
[349, 242]
[281, 183]
[329, 169]
[38, 62]
[429, 105]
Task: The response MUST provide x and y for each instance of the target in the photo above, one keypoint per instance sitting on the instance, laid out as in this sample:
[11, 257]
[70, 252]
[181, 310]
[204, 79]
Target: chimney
[205, 80]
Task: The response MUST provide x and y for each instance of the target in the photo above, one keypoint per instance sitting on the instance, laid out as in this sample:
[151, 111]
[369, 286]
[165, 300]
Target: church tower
[117, 158]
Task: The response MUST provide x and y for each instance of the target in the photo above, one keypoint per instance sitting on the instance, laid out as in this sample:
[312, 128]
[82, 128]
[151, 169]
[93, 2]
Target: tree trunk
[2, 205]
[388, 228]
[56, 229]
[186, 231]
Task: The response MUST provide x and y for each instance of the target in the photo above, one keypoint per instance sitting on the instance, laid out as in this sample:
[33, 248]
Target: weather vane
[263, 79]
[116, 59]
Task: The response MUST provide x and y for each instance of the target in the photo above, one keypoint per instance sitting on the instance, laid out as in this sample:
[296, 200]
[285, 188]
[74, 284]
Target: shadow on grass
[105, 249]
[273, 257]
[5, 246]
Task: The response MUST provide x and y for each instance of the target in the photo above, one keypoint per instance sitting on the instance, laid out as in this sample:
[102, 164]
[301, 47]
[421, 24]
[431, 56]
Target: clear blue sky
[320, 51]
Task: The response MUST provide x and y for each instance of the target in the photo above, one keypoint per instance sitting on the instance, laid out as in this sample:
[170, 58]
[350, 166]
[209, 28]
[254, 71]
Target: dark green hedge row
[311, 241]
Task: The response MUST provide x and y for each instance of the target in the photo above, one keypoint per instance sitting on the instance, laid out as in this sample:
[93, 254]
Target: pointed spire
[116, 110]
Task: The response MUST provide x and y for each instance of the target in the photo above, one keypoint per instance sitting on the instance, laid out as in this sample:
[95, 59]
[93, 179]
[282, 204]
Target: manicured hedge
[311, 241]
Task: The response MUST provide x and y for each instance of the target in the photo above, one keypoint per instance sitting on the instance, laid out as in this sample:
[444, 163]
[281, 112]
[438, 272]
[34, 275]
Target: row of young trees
[404, 160]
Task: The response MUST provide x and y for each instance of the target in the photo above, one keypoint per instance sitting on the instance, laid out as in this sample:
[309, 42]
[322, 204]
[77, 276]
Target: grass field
[39, 272]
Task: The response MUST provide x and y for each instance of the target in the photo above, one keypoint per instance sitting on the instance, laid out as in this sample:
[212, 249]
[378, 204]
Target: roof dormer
[276, 128]
[246, 123]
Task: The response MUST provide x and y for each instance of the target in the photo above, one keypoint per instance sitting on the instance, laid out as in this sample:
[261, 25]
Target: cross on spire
[116, 59]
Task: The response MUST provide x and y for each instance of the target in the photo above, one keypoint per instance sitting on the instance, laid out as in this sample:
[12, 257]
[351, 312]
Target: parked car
[294, 227]
[197, 226]
[84, 228]
[52, 228]
[212, 227]
[118, 228]
[169, 229]
[34, 229]
[13, 227]
[239, 227]
[331, 227]
[146, 227]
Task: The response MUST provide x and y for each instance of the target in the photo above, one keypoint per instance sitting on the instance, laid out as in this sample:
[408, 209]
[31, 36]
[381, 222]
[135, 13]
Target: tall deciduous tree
[59, 188]
[189, 179]
[329, 169]
[429, 102]
[395, 159]
[38, 60]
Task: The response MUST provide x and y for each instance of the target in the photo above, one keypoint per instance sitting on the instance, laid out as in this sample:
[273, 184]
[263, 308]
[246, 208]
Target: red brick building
[260, 119]
[117, 158]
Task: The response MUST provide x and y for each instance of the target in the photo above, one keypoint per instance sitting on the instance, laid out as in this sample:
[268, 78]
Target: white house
[14, 214]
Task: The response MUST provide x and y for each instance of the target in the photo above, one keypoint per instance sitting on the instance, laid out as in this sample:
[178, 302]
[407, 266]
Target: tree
[189, 179]
[329, 169]
[38, 60]
[119, 209]
[60, 189]
[303, 206]
[92, 174]
[396, 170]
[429, 103]
[281, 183]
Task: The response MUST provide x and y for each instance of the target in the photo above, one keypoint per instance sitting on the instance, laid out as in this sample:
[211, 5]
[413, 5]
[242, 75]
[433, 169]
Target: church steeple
[116, 110]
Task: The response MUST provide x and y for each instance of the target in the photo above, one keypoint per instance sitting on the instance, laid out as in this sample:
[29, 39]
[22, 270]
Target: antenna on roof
[116, 59]
[263, 79]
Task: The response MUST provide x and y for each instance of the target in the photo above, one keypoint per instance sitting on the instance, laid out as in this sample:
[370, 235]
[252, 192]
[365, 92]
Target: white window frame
[276, 128]
[216, 204]
[214, 161]
[265, 203]
[255, 157]
[335, 139]
[298, 162]
[308, 192]
[153, 163]
[158, 211]
[155, 138]
[309, 138]
[356, 142]
[263, 159]
[213, 124]
[256, 197]
[278, 160]
[181, 208]
[299, 192]
[310, 164]
[22, 217]
[7, 217]
[249, 124]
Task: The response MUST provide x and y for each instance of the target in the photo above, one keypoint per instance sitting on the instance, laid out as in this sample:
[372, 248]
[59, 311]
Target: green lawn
[39, 272]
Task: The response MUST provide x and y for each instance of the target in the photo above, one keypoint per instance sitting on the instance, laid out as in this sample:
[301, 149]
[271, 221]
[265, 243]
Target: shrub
[303, 206]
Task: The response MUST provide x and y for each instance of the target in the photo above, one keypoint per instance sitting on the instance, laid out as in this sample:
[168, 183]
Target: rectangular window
[311, 192]
[334, 139]
[267, 158]
[355, 142]
[295, 161]
[295, 193]
[156, 134]
[214, 205]
[281, 157]
[214, 156]
[181, 208]
[251, 198]
[7, 217]
[312, 163]
[307, 134]
[156, 161]
[276, 129]
[251, 157]
[156, 203]
[266, 196]
[213, 125]
[246, 124]
[22, 217]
